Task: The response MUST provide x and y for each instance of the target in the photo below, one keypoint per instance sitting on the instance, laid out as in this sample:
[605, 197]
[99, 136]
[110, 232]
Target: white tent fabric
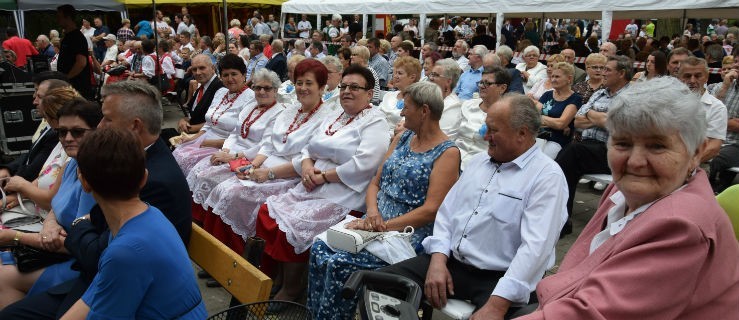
[607, 10]
[536, 8]
[356, 7]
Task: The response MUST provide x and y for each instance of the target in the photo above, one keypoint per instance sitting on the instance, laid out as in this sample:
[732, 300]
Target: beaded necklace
[330, 132]
[228, 101]
[246, 125]
[295, 125]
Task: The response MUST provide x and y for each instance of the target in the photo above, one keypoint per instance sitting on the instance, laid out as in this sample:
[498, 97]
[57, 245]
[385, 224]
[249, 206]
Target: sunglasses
[260, 88]
[76, 132]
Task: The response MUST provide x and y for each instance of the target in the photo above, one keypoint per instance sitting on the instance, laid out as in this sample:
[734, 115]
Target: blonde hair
[410, 65]
[361, 52]
[567, 68]
[727, 60]
[594, 58]
[555, 58]
[56, 98]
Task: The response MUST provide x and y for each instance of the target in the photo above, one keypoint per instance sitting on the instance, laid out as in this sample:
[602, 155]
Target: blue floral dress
[403, 186]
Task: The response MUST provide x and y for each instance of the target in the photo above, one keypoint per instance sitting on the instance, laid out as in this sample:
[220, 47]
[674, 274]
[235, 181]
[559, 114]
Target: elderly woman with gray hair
[254, 125]
[445, 74]
[420, 167]
[531, 69]
[659, 231]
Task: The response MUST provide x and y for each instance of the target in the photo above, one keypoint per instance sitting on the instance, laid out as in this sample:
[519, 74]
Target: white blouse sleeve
[358, 171]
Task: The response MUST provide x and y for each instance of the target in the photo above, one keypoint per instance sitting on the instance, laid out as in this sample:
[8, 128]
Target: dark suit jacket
[516, 80]
[166, 189]
[29, 165]
[278, 64]
[197, 115]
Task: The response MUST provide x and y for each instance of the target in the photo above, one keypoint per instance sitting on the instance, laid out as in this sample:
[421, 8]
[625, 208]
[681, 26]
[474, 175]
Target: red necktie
[200, 95]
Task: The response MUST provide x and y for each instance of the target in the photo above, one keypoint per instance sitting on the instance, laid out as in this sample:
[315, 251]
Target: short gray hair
[268, 75]
[428, 93]
[138, 100]
[333, 61]
[480, 50]
[523, 113]
[623, 63]
[465, 46]
[530, 49]
[639, 111]
[506, 52]
[335, 17]
[451, 70]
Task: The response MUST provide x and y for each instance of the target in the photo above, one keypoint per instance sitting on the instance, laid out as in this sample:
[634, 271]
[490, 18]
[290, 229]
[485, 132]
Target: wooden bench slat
[244, 281]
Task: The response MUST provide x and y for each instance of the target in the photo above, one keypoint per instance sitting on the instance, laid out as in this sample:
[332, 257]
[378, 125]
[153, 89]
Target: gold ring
[44, 237]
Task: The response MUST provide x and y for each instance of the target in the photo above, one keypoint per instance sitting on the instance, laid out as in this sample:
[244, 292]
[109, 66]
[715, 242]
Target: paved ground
[586, 201]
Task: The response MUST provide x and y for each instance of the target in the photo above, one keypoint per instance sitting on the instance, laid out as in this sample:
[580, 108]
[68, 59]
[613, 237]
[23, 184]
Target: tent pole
[224, 25]
[156, 40]
[364, 26]
[282, 29]
[422, 27]
[499, 19]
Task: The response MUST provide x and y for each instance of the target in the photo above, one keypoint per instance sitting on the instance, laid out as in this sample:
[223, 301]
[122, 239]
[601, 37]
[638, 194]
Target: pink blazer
[677, 260]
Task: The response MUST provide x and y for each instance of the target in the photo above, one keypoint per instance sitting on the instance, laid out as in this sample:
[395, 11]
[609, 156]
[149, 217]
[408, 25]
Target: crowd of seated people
[479, 154]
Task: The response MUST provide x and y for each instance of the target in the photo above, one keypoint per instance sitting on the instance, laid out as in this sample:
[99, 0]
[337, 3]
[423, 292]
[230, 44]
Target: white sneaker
[600, 186]
[583, 181]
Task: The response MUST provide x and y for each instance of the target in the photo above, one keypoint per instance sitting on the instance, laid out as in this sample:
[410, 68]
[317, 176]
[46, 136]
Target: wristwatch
[78, 220]
[270, 175]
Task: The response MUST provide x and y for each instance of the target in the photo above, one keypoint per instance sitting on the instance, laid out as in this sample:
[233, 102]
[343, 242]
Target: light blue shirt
[467, 84]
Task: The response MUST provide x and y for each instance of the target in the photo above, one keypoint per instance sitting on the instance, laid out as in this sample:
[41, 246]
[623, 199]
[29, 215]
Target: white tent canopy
[592, 9]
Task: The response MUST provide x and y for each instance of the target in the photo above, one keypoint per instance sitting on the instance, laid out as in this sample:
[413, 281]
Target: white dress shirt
[717, 117]
[450, 115]
[390, 107]
[467, 137]
[504, 217]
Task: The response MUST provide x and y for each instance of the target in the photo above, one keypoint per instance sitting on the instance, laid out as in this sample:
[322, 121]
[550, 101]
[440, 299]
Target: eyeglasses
[484, 84]
[76, 132]
[435, 75]
[597, 67]
[354, 54]
[352, 87]
[260, 88]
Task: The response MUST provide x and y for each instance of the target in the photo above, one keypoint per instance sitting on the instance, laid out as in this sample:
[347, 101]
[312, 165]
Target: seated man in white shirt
[694, 73]
[111, 53]
[495, 232]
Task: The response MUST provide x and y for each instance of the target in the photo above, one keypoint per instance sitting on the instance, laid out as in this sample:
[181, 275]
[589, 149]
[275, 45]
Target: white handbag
[349, 240]
[24, 217]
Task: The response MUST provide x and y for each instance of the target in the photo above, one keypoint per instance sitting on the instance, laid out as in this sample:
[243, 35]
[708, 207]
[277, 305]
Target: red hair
[312, 66]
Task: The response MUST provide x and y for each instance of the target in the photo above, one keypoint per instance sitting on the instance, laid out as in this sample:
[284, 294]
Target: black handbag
[29, 259]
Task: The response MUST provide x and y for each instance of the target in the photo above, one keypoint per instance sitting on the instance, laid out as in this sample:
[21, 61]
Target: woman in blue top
[558, 108]
[420, 167]
[76, 118]
[145, 272]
